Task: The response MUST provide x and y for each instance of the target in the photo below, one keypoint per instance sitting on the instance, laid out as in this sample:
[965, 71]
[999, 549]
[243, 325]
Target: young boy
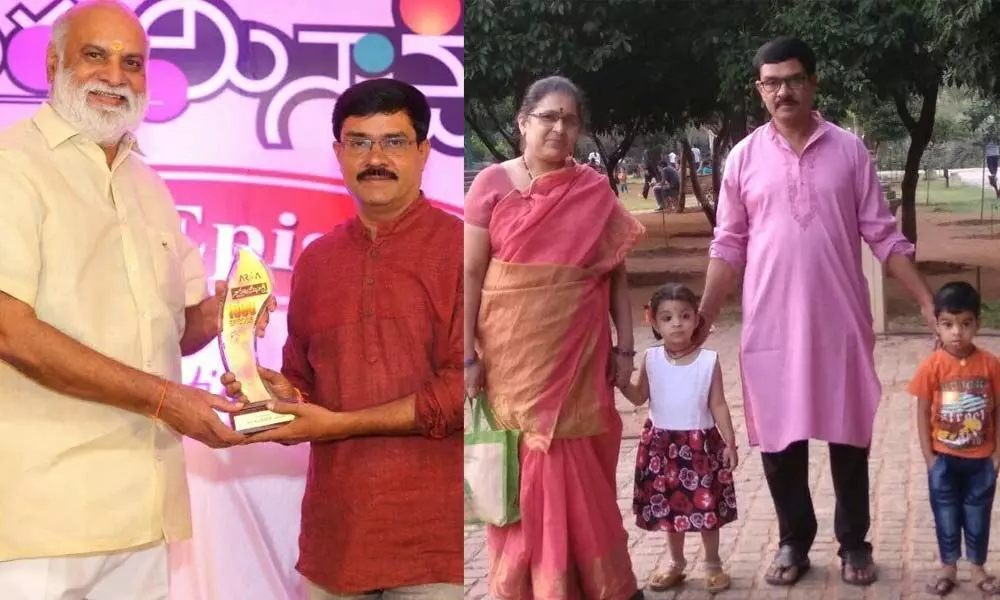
[956, 390]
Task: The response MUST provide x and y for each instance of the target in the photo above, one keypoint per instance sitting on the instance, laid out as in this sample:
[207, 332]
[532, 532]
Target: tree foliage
[637, 79]
[982, 119]
[651, 67]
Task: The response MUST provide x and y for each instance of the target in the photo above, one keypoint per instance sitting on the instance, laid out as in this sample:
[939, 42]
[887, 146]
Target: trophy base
[256, 418]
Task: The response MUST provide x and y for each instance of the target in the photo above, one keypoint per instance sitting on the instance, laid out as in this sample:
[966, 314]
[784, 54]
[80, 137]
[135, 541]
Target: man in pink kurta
[798, 197]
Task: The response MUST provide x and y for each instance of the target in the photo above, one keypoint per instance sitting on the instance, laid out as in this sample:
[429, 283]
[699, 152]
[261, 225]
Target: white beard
[104, 125]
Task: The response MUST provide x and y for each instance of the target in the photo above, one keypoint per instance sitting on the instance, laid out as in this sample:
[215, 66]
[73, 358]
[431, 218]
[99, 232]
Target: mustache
[377, 172]
[787, 102]
[122, 90]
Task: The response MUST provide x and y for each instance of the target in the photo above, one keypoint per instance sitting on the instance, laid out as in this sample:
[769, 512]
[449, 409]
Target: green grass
[632, 199]
[958, 198]
[991, 315]
[989, 319]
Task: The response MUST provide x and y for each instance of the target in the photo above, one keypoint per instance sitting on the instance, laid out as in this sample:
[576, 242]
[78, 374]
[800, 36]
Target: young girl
[687, 451]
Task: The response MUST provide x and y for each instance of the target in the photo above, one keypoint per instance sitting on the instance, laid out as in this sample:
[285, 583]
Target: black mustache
[787, 103]
[376, 172]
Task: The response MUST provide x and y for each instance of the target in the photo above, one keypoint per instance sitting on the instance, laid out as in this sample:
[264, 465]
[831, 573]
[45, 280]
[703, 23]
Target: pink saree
[544, 333]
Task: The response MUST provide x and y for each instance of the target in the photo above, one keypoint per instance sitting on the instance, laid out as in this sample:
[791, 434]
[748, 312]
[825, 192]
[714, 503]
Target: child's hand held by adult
[730, 459]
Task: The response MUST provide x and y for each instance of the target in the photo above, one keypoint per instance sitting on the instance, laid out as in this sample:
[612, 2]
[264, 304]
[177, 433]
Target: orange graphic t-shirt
[963, 395]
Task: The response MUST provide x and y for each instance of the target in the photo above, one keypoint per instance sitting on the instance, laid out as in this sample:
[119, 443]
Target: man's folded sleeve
[439, 410]
[20, 234]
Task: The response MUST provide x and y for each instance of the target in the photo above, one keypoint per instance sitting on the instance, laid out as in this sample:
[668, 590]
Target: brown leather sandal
[989, 585]
[941, 586]
[861, 563]
[787, 561]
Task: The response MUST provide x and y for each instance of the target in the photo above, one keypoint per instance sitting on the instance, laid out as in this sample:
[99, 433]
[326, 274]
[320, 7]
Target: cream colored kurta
[100, 255]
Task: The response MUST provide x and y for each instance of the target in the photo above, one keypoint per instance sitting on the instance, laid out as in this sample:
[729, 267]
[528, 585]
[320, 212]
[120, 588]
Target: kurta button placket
[368, 300]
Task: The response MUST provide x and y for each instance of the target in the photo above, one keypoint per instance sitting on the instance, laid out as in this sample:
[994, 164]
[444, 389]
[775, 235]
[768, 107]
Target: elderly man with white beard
[100, 296]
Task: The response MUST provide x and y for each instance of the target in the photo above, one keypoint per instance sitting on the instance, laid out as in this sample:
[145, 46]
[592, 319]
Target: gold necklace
[525, 163]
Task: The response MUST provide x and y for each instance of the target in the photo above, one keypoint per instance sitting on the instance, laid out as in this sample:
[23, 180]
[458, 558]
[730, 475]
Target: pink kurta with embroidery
[797, 223]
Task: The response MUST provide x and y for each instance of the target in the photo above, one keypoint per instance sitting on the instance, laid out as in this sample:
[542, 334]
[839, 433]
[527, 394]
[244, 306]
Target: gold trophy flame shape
[250, 287]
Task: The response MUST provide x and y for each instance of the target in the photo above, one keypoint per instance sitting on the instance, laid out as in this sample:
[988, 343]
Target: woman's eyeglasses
[549, 119]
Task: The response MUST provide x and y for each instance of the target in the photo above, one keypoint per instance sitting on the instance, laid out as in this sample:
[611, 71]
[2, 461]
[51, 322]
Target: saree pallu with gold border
[544, 334]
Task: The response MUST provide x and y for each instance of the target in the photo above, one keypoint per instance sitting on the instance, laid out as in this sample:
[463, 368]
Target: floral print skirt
[680, 483]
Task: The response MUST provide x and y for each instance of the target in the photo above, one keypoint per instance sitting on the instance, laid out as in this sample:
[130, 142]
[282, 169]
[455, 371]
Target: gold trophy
[250, 287]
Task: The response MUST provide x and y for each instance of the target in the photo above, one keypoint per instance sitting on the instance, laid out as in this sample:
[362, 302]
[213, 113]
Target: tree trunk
[707, 207]
[611, 160]
[682, 159]
[721, 143]
[485, 139]
[911, 177]
[612, 166]
[486, 125]
[920, 130]
[734, 128]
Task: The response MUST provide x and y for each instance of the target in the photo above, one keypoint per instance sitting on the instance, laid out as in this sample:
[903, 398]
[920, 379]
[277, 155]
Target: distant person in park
[992, 157]
[659, 190]
[956, 390]
[798, 196]
[648, 175]
[545, 244]
[668, 185]
[622, 180]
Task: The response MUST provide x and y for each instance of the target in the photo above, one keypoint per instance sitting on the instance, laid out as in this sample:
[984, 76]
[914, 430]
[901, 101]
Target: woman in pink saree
[545, 243]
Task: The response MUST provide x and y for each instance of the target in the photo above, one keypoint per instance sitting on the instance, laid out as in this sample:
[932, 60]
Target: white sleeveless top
[678, 394]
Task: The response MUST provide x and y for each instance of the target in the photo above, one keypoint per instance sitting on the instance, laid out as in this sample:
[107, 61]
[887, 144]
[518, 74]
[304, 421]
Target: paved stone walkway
[902, 529]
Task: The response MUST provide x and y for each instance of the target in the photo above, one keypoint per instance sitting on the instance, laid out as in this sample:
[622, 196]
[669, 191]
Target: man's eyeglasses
[773, 84]
[549, 119]
[392, 146]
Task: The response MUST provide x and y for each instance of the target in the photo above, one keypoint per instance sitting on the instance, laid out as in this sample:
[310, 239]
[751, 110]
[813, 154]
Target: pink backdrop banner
[241, 94]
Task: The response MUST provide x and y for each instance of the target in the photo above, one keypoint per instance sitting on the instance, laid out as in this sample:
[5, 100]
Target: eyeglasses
[392, 146]
[772, 85]
[549, 119]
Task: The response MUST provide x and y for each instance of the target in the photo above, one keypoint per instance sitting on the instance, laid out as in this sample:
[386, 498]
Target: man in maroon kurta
[375, 347]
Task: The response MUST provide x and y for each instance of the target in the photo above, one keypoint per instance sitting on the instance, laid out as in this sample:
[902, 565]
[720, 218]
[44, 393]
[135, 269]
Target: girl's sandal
[669, 579]
[717, 582]
[716, 579]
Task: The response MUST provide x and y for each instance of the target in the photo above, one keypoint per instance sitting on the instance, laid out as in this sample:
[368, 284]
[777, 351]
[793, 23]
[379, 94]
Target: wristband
[620, 352]
[471, 361]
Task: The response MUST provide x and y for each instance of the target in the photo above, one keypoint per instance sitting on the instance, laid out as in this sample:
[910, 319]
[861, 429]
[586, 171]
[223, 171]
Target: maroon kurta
[369, 322]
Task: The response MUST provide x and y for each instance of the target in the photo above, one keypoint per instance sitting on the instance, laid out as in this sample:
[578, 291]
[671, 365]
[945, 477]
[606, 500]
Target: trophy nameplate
[250, 287]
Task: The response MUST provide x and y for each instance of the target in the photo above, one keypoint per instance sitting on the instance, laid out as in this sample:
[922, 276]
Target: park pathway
[902, 527]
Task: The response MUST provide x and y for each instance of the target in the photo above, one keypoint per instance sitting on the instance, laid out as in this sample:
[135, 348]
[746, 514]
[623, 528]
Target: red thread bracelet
[163, 396]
